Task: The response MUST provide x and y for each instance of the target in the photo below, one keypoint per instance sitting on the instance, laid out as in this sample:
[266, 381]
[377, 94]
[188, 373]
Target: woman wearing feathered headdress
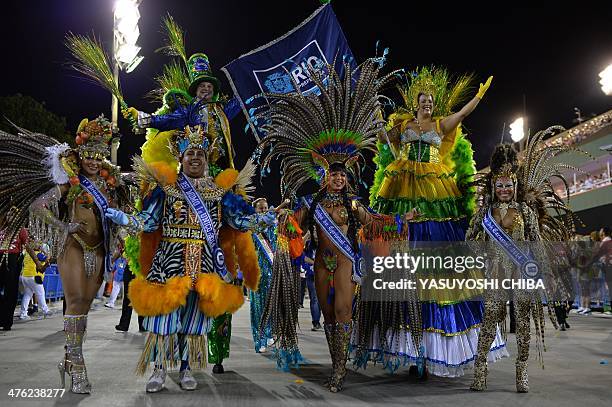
[425, 162]
[517, 202]
[321, 136]
[67, 191]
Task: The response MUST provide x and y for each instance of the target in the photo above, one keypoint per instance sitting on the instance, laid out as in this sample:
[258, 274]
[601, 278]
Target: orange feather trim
[247, 259]
[211, 302]
[226, 178]
[227, 244]
[232, 297]
[164, 173]
[150, 299]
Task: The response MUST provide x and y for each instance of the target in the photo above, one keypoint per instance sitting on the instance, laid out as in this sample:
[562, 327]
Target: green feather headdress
[174, 75]
[175, 39]
[447, 92]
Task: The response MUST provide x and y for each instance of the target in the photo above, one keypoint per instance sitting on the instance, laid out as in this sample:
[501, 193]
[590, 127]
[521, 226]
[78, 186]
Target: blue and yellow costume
[428, 171]
[182, 108]
[180, 292]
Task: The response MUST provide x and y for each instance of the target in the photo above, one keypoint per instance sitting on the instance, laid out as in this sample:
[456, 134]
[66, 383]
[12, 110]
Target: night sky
[552, 56]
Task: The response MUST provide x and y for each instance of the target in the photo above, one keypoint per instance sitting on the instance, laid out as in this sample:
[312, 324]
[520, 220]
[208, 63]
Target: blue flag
[269, 69]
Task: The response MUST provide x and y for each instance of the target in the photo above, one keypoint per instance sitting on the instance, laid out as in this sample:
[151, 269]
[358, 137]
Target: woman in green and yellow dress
[425, 162]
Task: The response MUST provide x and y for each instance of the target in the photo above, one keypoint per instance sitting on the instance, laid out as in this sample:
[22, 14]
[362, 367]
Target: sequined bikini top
[420, 148]
[430, 137]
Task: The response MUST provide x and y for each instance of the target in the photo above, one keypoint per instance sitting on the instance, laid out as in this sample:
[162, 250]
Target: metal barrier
[53, 284]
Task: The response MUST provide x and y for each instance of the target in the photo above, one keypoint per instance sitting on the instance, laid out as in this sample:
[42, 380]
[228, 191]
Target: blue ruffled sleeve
[238, 214]
[183, 116]
[166, 122]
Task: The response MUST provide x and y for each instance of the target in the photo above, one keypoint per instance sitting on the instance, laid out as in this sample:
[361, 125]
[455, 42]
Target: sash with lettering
[102, 205]
[525, 261]
[339, 239]
[264, 246]
[208, 227]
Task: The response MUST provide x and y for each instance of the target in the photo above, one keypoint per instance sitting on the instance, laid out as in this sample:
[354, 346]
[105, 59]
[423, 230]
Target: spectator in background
[561, 309]
[119, 266]
[11, 263]
[604, 257]
[586, 271]
[32, 280]
[126, 309]
[315, 311]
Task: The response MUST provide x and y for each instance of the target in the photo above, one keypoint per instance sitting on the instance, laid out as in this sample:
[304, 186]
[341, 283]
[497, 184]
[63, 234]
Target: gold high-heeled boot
[480, 375]
[329, 335]
[522, 378]
[73, 362]
[494, 310]
[341, 339]
[522, 343]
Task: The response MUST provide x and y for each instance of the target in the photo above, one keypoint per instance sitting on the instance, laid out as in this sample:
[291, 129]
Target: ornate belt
[186, 233]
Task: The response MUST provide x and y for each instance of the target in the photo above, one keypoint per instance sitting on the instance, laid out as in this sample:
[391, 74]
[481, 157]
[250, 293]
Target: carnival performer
[425, 162]
[198, 106]
[322, 137]
[190, 269]
[191, 97]
[265, 243]
[67, 191]
[517, 201]
[190, 93]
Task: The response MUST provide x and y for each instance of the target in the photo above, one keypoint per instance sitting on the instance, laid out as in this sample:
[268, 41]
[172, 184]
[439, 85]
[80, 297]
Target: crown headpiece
[191, 137]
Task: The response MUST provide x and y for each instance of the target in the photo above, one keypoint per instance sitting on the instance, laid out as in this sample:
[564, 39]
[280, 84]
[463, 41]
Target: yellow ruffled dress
[419, 178]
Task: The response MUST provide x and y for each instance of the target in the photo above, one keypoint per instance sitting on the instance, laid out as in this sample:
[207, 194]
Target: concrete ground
[576, 371]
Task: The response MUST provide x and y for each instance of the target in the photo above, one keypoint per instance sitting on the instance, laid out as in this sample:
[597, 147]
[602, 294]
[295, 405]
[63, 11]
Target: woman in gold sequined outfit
[516, 199]
[76, 186]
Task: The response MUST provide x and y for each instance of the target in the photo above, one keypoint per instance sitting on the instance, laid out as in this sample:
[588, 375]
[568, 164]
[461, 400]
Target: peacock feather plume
[305, 131]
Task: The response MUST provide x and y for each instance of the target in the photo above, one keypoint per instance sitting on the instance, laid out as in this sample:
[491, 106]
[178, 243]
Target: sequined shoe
[79, 382]
[187, 381]
[522, 379]
[156, 381]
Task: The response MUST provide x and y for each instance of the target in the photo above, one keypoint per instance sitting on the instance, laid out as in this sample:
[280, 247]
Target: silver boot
[73, 362]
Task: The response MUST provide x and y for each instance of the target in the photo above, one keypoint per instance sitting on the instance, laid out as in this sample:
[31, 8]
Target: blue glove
[117, 216]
